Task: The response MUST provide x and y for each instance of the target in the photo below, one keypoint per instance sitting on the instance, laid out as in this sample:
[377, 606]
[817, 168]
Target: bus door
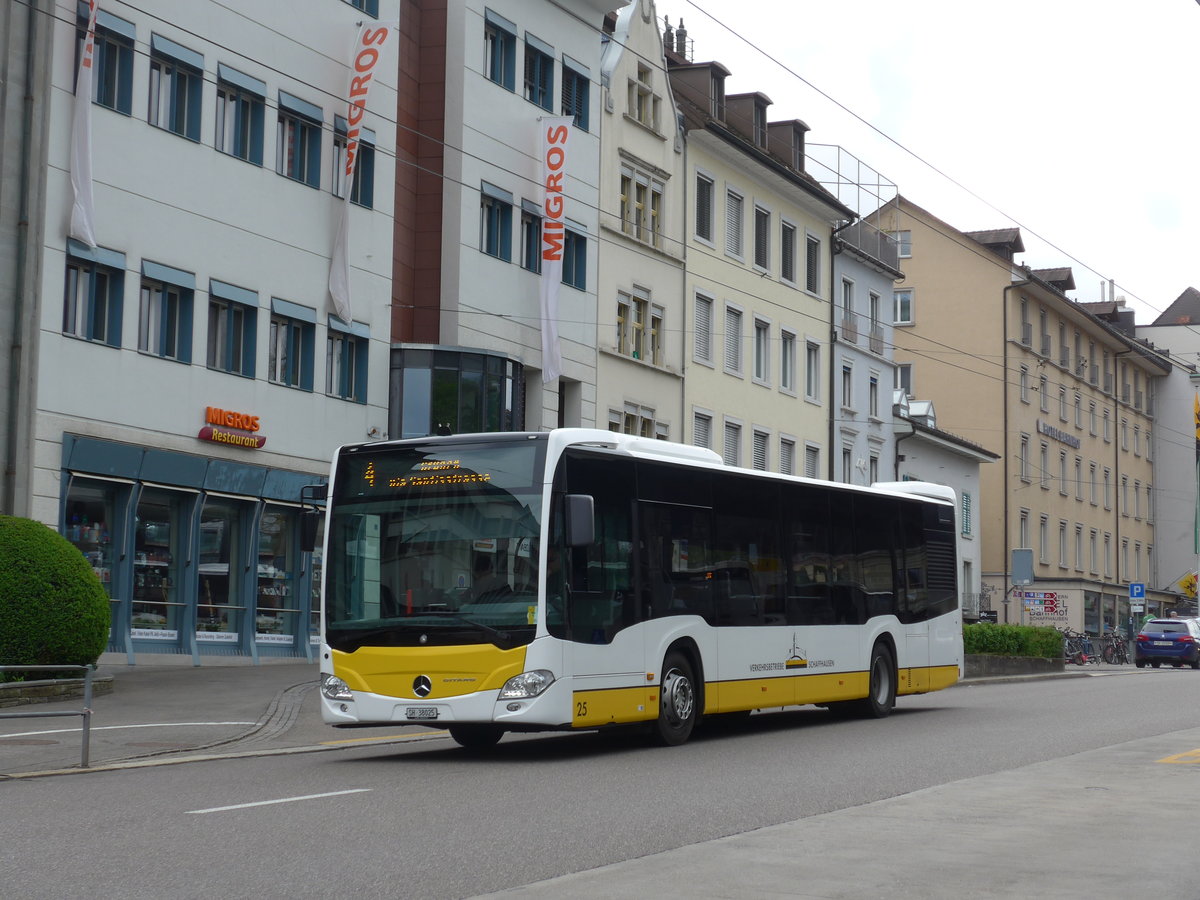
[913, 591]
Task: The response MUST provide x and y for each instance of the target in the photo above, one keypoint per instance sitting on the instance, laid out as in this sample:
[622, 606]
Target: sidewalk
[172, 712]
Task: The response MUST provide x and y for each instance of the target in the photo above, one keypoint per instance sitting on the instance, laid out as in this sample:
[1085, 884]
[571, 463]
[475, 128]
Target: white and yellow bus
[577, 579]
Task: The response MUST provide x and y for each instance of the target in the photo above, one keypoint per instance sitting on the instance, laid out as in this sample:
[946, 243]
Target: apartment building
[175, 386]
[759, 279]
[479, 82]
[1068, 395]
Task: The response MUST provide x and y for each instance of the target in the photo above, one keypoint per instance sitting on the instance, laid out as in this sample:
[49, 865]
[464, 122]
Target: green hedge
[1012, 640]
[53, 608]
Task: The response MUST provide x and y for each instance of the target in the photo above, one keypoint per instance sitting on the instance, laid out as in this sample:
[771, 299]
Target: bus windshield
[434, 544]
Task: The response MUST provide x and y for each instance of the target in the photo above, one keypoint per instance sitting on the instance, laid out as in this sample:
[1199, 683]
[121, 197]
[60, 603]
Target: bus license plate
[421, 712]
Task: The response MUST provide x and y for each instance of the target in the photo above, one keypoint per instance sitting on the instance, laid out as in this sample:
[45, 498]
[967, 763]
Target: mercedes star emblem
[422, 686]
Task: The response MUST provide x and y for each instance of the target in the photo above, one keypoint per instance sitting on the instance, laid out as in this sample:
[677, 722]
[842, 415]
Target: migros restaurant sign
[222, 426]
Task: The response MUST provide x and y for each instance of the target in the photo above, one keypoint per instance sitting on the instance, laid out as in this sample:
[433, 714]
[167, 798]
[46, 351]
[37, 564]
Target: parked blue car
[1174, 641]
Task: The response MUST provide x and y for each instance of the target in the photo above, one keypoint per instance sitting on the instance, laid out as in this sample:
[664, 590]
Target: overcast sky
[1073, 119]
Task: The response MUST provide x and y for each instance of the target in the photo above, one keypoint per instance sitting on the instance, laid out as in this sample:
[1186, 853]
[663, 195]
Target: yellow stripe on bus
[609, 707]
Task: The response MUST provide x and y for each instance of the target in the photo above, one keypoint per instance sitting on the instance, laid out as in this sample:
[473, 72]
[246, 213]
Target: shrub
[1012, 640]
[53, 608]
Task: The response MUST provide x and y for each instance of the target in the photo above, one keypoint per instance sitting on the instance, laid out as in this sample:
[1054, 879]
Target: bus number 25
[581, 709]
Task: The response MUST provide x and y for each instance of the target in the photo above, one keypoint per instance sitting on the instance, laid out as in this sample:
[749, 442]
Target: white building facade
[186, 377]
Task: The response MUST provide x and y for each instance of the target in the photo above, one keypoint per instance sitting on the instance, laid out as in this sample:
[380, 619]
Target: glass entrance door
[157, 612]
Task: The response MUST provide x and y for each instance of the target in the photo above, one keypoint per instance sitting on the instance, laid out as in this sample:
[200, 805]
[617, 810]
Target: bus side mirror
[310, 521]
[580, 520]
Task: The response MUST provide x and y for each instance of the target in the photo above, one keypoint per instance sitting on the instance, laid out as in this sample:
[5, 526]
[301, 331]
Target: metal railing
[85, 713]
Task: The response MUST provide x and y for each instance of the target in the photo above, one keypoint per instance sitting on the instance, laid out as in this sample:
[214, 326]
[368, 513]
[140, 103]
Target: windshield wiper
[486, 629]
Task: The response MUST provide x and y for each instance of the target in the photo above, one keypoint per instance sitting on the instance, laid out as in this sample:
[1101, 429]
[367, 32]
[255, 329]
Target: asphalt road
[426, 819]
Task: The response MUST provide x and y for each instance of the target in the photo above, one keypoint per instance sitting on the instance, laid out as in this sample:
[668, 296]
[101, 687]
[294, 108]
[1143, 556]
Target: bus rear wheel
[677, 711]
[476, 737]
[882, 697]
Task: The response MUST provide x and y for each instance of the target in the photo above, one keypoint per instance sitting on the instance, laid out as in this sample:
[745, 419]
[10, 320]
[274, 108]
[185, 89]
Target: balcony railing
[849, 329]
[1027, 334]
[877, 340]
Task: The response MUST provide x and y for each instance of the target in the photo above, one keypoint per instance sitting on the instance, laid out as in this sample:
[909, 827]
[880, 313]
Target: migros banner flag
[83, 210]
[555, 134]
[365, 58]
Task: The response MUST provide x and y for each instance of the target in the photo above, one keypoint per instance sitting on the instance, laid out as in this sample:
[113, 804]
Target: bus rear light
[333, 688]
[527, 684]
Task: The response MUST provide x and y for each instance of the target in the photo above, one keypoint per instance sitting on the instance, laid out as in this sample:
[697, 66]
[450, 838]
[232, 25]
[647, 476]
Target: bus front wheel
[677, 711]
[476, 737]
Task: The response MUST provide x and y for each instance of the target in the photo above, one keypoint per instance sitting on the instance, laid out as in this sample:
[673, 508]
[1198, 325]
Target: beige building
[1065, 390]
[641, 338]
[759, 235]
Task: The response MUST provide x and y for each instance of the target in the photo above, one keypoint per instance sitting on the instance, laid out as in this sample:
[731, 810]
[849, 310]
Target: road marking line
[114, 727]
[199, 812]
[1190, 757]
[386, 737]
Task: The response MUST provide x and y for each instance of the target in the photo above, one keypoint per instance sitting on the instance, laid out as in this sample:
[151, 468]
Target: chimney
[668, 34]
[681, 40]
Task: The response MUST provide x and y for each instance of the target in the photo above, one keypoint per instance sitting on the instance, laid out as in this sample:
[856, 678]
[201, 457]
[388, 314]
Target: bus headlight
[527, 684]
[335, 689]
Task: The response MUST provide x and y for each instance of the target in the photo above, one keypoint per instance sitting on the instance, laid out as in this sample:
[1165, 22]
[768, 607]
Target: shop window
[219, 603]
[277, 613]
[362, 191]
[346, 361]
[88, 523]
[95, 283]
[176, 76]
[156, 610]
[241, 108]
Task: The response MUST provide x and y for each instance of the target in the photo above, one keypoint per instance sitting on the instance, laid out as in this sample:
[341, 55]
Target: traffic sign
[1137, 590]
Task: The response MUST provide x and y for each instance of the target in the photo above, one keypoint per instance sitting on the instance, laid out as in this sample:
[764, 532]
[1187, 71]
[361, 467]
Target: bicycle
[1074, 650]
[1116, 649]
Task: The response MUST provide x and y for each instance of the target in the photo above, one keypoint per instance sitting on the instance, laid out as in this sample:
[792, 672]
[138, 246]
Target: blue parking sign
[1137, 590]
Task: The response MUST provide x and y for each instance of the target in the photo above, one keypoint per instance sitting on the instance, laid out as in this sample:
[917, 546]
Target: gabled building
[642, 335]
[1069, 396]
[759, 279]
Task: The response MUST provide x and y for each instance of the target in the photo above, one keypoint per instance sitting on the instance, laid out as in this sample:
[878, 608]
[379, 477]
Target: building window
[574, 262]
[1043, 540]
[500, 50]
[1024, 384]
[1107, 427]
[904, 378]
[1023, 529]
[1044, 466]
[641, 206]
[1079, 548]
[644, 104]
[576, 81]
[762, 351]
[92, 298]
[1078, 411]
[495, 222]
[733, 341]
[1092, 484]
[873, 397]
[787, 252]
[902, 313]
[232, 322]
[761, 440]
[1078, 478]
[531, 237]
[733, 223]
[1062, 404]
[812, 462]
[812, 263]
[298, 140]
[1023, 459]
[292, 345]
[1044, 393]
[733, 444]
[362, 191]
[112, 61]
[241, 111]
[847, 386]
[346, 361]
[175, 81]
[703, 326]
[903, 243]
[812, 371]
[1063, 558]
[704, 208]
[762, 238]
[787, 361]
[165, 312]
[1062, 472]
[1107, 488]
[701, 430]
[539, 73]
[787, 456]
[638, 325]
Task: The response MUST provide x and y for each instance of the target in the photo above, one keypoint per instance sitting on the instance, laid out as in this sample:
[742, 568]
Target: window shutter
[810, 462]
[703, 328]
[733, 440]
[733, 223]
[702, 431]
[787, 457]
[760, 451]
[733, 340]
